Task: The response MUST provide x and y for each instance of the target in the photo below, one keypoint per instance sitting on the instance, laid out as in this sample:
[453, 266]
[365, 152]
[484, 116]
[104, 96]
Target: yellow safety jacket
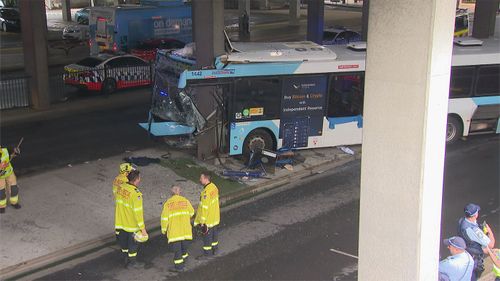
[128, 208]
[5, 159]
[208, 211]
[119, 180]
[176, 219]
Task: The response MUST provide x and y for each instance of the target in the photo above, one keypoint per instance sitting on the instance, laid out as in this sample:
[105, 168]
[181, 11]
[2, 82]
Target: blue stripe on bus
[239, 131]
[342, 120]
[486, 100]
[239, 70]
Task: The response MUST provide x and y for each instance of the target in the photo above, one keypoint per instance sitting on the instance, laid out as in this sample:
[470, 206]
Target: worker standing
[8, 180]
[176, 225]
[208, 215]
[125, 169]
[129, 219]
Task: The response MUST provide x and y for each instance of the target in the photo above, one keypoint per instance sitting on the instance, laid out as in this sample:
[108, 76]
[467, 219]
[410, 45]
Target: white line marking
[343, 253]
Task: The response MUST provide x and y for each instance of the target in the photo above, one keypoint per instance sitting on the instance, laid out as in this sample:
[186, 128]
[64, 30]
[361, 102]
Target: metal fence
[14, 92]
[63, 85]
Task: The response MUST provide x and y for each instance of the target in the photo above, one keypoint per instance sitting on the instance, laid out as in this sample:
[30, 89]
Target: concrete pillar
[484, 18]
[34, 35]
[66, 10]
[315, 20]
[208, 31]
[244, 20]
[364, 20]
[116, 2]
[405, 109]
[294, 12]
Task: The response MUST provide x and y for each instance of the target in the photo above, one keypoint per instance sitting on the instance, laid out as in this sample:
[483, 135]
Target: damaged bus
[302, 95]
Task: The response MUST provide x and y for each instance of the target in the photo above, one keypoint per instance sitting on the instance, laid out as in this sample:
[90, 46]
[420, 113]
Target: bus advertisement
[122, 28]
[302, 95]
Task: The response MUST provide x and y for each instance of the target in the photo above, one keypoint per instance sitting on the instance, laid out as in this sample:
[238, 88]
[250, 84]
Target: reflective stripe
[178, 214]
[178, 261]
[207, 248]
[164, 219]
[180, 238]
[185, 255]
[204, 207]
[138, 209]
[124, 250]
[13, 200]
[215, 243]
[140, 224]
[132, 254]
[117, 232]
[213, 224]
[127, 229]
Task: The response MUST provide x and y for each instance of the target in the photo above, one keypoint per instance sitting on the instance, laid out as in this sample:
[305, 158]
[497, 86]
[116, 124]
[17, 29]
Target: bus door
[345, 109]
[302, 111]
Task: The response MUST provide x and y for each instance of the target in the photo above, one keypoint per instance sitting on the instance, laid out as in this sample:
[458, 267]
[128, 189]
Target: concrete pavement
[68, 207]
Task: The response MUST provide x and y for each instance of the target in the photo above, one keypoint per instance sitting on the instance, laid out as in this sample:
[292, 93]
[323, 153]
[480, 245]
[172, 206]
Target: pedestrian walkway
[64, 208]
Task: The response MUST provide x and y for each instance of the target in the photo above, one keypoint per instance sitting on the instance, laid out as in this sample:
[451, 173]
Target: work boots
[16, 206]
[2, 210]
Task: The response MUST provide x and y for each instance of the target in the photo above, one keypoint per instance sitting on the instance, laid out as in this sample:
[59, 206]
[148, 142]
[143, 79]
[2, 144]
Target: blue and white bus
[303, 95]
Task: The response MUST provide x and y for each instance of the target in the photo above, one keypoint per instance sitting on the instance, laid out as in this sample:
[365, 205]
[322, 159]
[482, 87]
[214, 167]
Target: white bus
[303, 95]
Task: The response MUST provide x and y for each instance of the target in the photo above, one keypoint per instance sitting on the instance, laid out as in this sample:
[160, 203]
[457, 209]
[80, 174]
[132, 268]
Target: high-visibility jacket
[176, 219]
[208, 211]
[128, 208]
[119, 180]
[5, 161]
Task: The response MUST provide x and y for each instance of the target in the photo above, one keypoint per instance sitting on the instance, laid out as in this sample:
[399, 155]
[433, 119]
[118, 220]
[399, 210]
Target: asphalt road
[77, 138]
[289, 234]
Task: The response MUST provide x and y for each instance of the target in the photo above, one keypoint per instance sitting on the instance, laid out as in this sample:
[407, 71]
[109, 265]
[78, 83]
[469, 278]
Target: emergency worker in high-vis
[176, 225]
[8, 181]
[129, 219]
[125, 169]
[208, 215]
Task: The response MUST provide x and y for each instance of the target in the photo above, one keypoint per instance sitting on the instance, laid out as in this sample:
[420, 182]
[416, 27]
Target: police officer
[176, 225]
[8, 180]
[208, 215]
[477, 239]
[458, 266]
[129, 219]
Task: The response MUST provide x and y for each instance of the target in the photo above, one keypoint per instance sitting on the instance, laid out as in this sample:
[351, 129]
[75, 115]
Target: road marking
[343, 253]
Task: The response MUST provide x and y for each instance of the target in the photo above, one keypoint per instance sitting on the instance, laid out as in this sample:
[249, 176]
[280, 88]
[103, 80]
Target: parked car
[82, 16]
[10, 19]
[78, 32]
[339, 36]
[108, 73]
[147, 49]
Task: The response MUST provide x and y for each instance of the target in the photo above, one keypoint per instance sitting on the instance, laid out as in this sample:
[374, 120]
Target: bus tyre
[257, 139]
[108, 86]
[454, 129]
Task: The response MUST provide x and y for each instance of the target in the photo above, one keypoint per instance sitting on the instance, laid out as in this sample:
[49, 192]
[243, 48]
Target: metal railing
[14, 92]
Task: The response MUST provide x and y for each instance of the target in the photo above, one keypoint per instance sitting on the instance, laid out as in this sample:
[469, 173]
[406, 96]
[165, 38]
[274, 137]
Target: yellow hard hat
[126, 168]
[140, 238]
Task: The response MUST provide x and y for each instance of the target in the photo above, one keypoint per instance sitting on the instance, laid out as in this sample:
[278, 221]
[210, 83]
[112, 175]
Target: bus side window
[488, 83]
[345, 95]
[461, 81]
[256, 99]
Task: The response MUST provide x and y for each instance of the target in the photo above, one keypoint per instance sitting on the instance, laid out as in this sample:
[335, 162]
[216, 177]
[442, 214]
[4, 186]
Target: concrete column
[484, 18]
[364, 20]
[405, 108]
[294, 12]
[66, 10]
[34, 35]
[116, 2]
[315, 20]
[208, 27]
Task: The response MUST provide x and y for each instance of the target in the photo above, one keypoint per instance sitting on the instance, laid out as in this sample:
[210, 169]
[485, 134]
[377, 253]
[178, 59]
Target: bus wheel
[454, 129]
[257, 139]
[108, 86]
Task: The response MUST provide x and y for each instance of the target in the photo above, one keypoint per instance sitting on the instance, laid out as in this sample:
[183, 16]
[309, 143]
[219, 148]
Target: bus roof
[266, 59]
